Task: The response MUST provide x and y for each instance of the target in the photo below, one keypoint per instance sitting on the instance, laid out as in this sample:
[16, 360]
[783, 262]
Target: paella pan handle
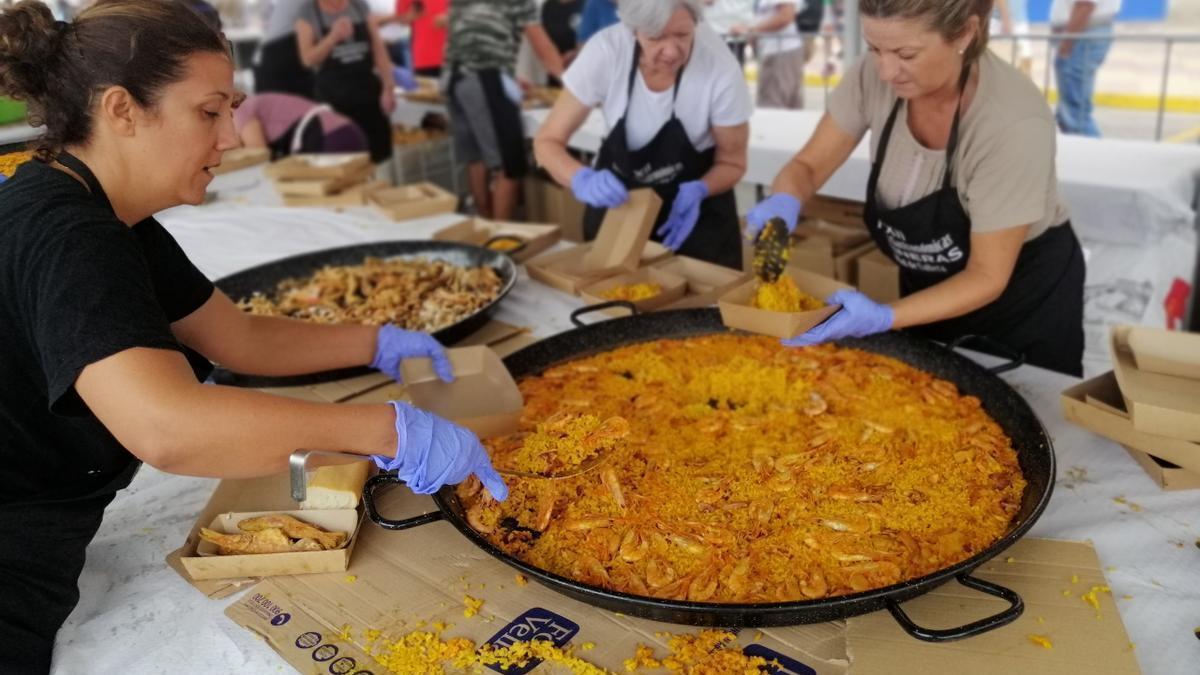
[1015, 358]
[520, 243]
[379, 480]
[633, 310]
[1016, 607]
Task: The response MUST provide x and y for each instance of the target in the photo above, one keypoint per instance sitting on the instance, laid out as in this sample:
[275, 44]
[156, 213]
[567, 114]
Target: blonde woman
[962, 194]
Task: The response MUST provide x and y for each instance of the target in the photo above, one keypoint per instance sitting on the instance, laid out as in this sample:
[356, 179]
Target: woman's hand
[685, 211]
[393, 345]
[432, 452]
[600, 189]
[859, 316]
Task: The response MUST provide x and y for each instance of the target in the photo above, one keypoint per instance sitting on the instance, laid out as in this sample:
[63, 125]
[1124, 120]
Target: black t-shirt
[76, 286]
[560, 18]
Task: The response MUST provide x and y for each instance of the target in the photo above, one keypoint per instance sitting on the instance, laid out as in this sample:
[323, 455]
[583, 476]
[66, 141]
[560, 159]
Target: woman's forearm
[552, 155]
[964, 292]
[795, 178]
[271, 347]
[723, 176]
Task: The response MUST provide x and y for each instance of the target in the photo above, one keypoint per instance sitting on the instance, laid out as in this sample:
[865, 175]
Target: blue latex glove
[859, 316]
[432, 452]
[778, 205]
[684, 212]
[394, 344]
[404, 78]
[598, 188]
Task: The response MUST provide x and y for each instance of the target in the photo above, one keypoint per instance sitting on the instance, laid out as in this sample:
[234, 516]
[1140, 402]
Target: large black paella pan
[264, 279]
[1011, 412]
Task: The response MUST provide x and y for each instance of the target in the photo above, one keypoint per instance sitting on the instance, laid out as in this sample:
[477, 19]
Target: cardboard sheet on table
[1158, 404]
[405, 580]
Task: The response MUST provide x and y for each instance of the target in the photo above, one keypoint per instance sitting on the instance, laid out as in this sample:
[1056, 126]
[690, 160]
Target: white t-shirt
[782, 40]
[1105, 10]
[712, 93]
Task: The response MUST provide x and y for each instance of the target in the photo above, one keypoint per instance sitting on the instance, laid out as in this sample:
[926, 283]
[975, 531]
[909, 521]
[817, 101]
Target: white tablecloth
[1123, 192]
[137, 616]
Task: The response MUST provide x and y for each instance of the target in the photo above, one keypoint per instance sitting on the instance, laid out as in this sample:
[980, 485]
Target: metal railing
[1169, 42]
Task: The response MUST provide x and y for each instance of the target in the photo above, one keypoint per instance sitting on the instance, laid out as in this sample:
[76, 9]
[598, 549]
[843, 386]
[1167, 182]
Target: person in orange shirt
[428, 21]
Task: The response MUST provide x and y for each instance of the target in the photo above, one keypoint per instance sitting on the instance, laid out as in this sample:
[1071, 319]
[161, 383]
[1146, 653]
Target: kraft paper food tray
[1168, 476]
[1158, 404]
[878, 277]
[206, 564]
[737, 312]
[1166, 352]
[483, 396]
[1097, 405]
[317, 166]
[408, 580]
[673, 288]
[414, 201]
[354, 195]
[478, 231]
[566, 269]
[706, 282]
[624, 232]
[240, 158]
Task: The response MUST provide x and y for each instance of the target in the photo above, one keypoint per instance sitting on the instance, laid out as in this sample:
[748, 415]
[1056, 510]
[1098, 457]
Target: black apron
[279, 69]
[347, 81]
[668, 160]
[1040, 312]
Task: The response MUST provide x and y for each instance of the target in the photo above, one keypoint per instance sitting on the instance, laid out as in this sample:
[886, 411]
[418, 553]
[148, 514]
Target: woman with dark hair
[109, 330]
[962, 193]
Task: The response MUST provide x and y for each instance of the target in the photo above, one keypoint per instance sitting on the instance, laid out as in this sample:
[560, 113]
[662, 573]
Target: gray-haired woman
[962, 193]
[676, 109]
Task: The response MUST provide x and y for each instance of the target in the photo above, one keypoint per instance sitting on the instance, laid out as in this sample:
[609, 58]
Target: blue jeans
[1077, 82]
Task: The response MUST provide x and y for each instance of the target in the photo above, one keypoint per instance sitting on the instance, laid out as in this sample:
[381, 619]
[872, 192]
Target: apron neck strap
[75, 164]
[633, 71]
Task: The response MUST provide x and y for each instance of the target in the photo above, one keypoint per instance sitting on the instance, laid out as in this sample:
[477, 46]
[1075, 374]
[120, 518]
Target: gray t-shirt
[347, 51]
[1004, 167]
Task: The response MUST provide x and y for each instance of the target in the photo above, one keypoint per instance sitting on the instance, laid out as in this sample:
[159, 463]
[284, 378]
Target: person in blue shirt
[597, 15]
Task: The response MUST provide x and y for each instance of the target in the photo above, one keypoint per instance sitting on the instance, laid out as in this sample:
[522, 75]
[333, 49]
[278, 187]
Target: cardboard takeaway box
[240, 158]
[1166, 352]
[354, 195]
[411, 580]
[621, 245]
[532, 239]
[206, 563]
[1097, 405]
[828, 240]
[549, 202]
[672, 287]
[1168, 476]
[878, 277]
[706, 282]
[831, 238]
[1159, 404]
[737, 312]
[305, 167]
[483, 396]
[414, 201]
